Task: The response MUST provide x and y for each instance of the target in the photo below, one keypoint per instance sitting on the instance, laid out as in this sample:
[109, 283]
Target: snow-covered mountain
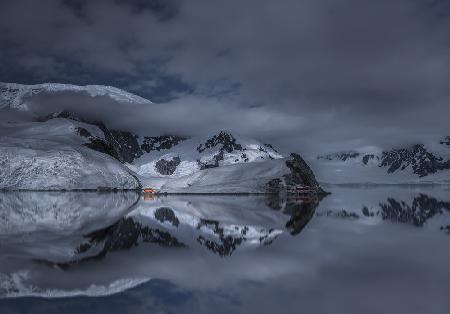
[419, 163]
[63, 150]
[15, 96]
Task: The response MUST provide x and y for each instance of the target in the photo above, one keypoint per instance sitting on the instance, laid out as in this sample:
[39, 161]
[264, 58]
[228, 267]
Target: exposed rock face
[301, 173]
[167, 167]
[422, 162]
[122, 145]
[212, 163]
[225, 140]
[161, 142]
[271, 147]
[369, 157]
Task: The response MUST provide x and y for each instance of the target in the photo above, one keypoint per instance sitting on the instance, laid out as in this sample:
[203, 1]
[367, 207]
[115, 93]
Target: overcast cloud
[307, 75]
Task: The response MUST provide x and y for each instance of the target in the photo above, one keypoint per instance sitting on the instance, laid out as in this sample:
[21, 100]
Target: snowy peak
[15, 95]
[225, 140]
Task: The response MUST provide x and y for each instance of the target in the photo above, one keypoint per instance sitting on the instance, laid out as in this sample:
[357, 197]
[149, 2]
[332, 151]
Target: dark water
[360, 250]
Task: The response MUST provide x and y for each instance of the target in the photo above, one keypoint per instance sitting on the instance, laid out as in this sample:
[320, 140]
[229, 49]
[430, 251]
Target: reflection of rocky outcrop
[422, 209]
[300, 210]
[124, 234]
[417, 213]
[164, 214]
[167, 167]
[418, 157]
[301, 213]
[227, 243]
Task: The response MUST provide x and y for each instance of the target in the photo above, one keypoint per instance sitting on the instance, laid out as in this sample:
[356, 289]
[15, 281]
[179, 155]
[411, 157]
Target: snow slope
[50, 156]
[67, 151]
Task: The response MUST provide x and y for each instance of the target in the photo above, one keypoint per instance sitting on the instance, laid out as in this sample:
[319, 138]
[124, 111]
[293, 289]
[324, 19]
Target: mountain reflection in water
[227, 250]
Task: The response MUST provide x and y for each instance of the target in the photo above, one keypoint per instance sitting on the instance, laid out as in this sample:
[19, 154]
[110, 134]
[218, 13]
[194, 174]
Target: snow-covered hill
[65, 150]
[420, 163]
[52, 156]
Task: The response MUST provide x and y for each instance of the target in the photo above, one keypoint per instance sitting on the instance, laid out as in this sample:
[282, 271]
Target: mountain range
[65, 150]
[417, 163]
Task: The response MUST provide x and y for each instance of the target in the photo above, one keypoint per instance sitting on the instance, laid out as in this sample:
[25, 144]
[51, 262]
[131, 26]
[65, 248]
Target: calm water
[360, 250]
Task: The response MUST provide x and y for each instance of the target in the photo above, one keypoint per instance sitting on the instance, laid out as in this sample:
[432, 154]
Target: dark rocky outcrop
[167, 167]
[122, 145]
[301, 173]
[214, 163]
[159, 143]
[226, 141]
[368, 157]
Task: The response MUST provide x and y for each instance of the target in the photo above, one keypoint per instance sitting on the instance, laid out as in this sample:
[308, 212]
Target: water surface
[359, 250]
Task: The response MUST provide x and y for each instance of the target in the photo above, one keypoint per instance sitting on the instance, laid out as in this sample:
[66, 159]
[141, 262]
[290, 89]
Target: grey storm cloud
[308, 75]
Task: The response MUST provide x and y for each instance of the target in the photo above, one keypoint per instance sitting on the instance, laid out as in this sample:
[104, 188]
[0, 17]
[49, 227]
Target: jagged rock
[227, 141]
[214, 163]
[161, 142]
[167, 167]
[368, 157]
[301, 173]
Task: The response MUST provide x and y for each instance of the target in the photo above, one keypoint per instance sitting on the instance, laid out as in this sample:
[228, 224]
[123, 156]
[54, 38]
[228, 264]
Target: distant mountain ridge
[409, 164]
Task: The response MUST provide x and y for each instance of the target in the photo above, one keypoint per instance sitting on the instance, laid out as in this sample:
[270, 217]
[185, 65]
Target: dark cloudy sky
[307, 75]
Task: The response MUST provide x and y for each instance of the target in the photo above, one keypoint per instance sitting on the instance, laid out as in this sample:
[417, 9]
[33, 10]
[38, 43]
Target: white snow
[14, 95]
[50, 156]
